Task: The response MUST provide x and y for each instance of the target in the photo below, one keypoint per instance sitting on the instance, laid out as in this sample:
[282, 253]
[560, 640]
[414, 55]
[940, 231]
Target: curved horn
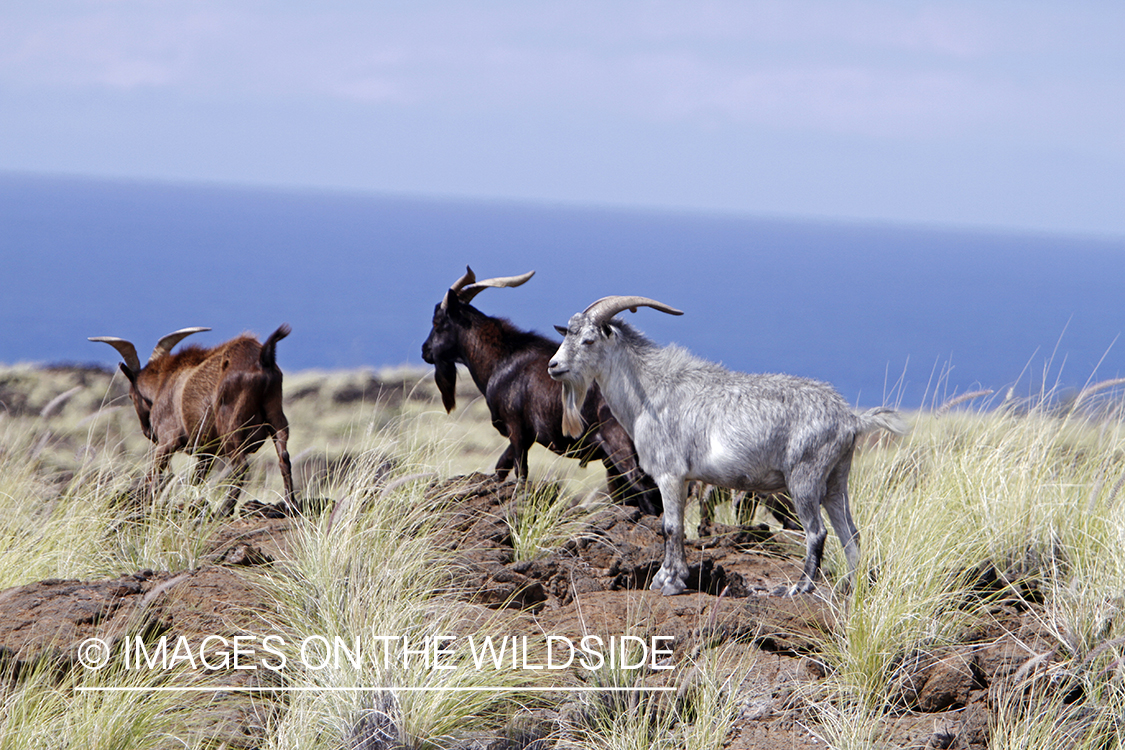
[468, 278]
[605, 308]
[125, 348]
[164, 346]
[468, 292]
[458, 285]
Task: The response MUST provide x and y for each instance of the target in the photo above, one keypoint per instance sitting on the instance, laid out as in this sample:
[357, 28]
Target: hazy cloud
[1044, 75]
[890, 65]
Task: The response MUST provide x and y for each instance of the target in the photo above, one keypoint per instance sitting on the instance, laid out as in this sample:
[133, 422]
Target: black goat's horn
[467, 293]
[468, 278]
[458, 285]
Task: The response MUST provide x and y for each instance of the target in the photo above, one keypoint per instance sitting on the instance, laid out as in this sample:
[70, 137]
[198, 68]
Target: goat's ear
[561, 330]
[453, 305]
[128, 373]
[607, 331]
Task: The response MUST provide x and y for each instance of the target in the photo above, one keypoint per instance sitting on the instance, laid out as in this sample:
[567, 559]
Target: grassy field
[1025, 499]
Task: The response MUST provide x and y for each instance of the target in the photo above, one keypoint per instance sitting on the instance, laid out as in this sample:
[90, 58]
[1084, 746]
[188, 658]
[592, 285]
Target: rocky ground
[595, 582]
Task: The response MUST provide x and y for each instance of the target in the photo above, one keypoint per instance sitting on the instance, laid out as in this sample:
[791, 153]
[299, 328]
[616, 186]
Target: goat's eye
[587, 342]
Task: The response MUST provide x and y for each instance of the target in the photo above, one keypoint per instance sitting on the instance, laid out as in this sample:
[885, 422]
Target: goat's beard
[573, 397]
[445, 376]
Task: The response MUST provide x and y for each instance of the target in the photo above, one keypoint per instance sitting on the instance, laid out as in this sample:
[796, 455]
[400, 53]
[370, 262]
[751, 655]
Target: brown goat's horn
[164, 346]
[605, 308]
[125, 348]
[468, 292]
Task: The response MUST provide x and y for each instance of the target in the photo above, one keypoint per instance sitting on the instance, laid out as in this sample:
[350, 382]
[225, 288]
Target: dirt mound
[596, 582]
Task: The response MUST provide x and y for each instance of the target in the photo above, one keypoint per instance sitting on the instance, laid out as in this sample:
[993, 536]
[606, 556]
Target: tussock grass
[95, 526]
[375, 578]
[49, 709]
[1037, 714]
[545, 518]
[967, 508]
[696, 714]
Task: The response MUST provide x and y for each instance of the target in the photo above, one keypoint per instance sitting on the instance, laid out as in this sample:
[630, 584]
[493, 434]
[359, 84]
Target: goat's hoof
[668, 585]
[672, 588]
[258, 509]
[226, 510]
[788, 592]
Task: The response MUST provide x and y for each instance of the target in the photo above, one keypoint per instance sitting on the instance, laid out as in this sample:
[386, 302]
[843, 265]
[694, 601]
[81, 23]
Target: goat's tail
[882, 418]
[268, 357]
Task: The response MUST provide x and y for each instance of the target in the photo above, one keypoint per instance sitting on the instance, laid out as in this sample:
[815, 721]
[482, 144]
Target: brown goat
[218, 402]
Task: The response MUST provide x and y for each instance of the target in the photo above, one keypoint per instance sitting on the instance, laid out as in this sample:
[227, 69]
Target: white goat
[693, 419]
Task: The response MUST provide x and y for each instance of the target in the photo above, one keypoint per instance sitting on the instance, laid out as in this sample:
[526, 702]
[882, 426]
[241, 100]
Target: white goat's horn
[125, 348]
[164, 346]
[468, 292]
[607, 307]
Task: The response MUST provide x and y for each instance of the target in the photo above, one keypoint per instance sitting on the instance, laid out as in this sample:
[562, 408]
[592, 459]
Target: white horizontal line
[301, 689]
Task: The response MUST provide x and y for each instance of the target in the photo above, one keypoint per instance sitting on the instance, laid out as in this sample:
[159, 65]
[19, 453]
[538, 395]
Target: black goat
[509, 366]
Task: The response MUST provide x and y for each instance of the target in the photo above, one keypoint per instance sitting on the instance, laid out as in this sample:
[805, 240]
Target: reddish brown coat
[221, 402]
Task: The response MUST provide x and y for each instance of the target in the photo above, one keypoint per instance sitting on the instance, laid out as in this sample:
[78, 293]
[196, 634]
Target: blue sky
[994, 114]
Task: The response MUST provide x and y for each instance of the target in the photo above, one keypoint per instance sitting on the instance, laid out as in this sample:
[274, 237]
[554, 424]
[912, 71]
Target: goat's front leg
[671, 579]
[519, 447]
[505, 463]
[157, 474]
[240, 467]
[203, 464]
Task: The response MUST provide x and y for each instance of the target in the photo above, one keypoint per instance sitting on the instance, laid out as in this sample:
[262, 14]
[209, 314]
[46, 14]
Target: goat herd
[657, 417]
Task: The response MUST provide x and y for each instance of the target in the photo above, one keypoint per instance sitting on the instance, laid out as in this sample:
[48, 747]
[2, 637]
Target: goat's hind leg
[513, 457]
[519, 458]
[624, 479]
[807, 494]
[840, 514]
[278, 427]
[628, 485]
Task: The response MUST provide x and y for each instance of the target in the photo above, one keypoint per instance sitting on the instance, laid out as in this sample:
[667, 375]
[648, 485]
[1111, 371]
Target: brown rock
[948, 684]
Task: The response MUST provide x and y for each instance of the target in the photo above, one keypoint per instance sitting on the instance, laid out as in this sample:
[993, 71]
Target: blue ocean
[889, 314]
